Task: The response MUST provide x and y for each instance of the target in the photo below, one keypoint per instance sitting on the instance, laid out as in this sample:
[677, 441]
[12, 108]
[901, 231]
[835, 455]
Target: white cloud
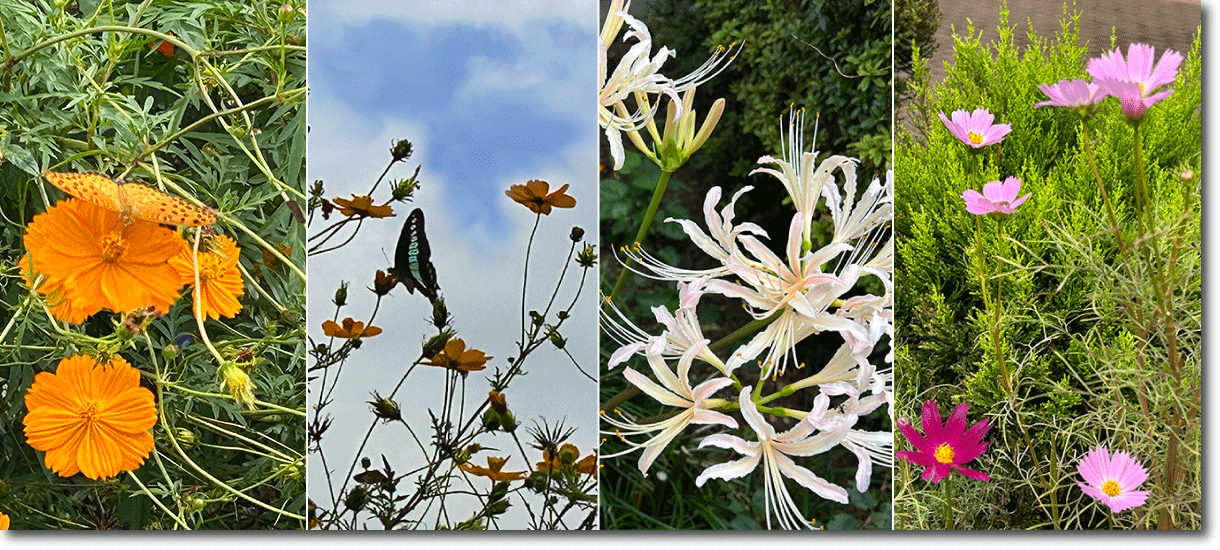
[513, 15]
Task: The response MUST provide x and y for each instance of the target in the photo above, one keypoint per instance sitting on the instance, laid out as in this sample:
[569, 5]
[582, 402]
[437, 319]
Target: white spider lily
[797, 289]
[638, 71]
[673, 389]
[867, 446]
[852, 219]
[805, 184]
[721, 244]
[773, 451]
[682, 330]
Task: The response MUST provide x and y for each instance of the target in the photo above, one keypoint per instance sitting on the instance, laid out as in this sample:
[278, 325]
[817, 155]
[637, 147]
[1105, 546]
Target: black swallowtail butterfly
[412, 258]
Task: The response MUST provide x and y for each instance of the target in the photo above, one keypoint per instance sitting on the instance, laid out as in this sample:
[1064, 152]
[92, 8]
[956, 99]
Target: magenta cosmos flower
[1134, 80]
[944, 448]
[1073, 94]
[1112, 478]
[997, 197]
[976, 129]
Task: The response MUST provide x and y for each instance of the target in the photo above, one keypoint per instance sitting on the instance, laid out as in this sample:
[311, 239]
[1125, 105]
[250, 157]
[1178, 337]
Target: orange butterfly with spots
[131, 200]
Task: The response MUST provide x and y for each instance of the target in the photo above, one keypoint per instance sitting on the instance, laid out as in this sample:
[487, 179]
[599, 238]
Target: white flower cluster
[638, 75]
[806, 292]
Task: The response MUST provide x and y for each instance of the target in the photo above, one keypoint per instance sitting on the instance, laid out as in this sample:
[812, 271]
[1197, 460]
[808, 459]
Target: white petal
[728, 470]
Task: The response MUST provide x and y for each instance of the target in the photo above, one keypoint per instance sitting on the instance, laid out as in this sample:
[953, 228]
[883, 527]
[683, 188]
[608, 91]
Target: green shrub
[1063, 290]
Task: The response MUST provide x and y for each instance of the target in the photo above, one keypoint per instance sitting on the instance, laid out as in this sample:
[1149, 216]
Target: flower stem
[1088, 150]
[949, 503]
[992, 307]
[1160, 283]
[655, 203]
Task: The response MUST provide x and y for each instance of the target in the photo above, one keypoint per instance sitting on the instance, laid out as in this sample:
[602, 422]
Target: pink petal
[1166, 70]
[955, 427]
[1139, 62]
[973, 474]
[918, 459]
[1127, 500]
[937, 472]
[932, 427]
[917, 440]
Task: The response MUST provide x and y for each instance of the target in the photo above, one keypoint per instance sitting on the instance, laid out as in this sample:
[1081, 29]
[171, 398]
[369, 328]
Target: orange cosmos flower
[362, 206]
[3, 522]
[350, 329]
[493, 470]
[534, 196]
[455, 356]
[57, 301]
[219, 279]
[567, 461]
[90, 418]
[98, 262]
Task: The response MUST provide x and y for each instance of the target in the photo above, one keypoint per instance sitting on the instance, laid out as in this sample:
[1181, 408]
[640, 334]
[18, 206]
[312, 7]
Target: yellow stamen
[944, 454]
[89, 414]
[113, 246]
[975, 138]
[1110, 487]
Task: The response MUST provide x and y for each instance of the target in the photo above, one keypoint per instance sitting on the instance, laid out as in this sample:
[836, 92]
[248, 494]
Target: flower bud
[383, 283]
[401, 150]
[356, 498]
[587, 257]
[440, 314]
[385, 408]
[497, 401]
[436, 344]
[341, 295]
[185, 437]
[556, 339]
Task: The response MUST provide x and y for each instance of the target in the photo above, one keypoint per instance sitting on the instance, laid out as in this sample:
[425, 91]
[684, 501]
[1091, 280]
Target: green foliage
[780, 66]
[76, 97]
[1066, 326]
[915, 23]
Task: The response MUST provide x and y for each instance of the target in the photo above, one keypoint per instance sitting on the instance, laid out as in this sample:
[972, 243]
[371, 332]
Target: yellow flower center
[113, 246]
[975, 138]
[89, 413]
[211, 269]
[944, 454]
[1141, 89]
[1110, 487]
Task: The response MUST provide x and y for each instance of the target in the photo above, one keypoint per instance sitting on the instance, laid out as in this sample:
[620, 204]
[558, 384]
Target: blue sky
[491, 94]
[491, 100]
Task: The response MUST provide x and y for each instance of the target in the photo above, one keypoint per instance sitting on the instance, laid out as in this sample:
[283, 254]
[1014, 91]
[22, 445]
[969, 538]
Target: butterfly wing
[137, 200]
[413, 257]
[94, 189]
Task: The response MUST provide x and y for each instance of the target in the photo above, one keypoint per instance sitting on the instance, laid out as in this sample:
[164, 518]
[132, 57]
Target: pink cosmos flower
[1112, 478]
[996, 197]
[1134, 80]
[976, 129]
[1073, 94]
[944, 448]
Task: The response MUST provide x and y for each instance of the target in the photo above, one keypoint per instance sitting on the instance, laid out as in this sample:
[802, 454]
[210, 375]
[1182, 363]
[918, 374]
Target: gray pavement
[1161, 23]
